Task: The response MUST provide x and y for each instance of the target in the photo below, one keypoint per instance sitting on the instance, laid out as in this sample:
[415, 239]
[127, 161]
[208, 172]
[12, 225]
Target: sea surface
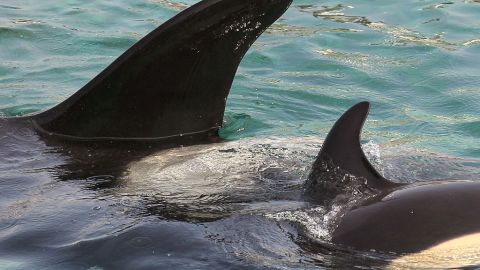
[237, 205]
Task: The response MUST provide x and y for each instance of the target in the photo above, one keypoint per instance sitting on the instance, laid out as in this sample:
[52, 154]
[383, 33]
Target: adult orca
[170, 88]
[388, 216]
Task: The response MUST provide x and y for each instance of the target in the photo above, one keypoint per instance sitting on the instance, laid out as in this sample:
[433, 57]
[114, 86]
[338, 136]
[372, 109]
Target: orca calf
[169, 88]
[388, 216]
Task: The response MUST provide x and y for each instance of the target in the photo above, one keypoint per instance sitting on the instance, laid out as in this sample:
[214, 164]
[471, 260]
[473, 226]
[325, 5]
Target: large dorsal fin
[342, 152]
[173, 82]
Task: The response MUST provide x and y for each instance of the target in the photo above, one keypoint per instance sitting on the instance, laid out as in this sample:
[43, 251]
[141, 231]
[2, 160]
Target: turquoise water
[416, 61]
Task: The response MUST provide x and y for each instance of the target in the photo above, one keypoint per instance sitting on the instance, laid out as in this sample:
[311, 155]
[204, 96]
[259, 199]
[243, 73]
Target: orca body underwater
[391, 217]
[169, 89]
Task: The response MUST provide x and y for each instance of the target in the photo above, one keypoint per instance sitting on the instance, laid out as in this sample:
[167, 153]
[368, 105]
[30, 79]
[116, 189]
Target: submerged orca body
[390, 217]
[168, 90]
[170, 87]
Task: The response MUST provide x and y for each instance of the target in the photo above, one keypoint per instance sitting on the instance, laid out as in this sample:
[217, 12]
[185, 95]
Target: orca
[169, 88]
[383, 215]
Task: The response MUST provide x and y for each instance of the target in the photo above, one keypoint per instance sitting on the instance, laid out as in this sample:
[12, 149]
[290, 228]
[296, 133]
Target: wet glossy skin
[172, 83]
[168, 90]
[413, 218]
[384, 215]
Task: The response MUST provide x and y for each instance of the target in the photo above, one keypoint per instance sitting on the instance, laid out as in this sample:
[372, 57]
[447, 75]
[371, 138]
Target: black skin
[172, 83]
[168, 90]
[412, 218]
[389, 217]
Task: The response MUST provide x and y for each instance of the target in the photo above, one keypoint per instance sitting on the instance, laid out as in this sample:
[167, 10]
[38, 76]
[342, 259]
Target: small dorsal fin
[173, 82]
[342, 150]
